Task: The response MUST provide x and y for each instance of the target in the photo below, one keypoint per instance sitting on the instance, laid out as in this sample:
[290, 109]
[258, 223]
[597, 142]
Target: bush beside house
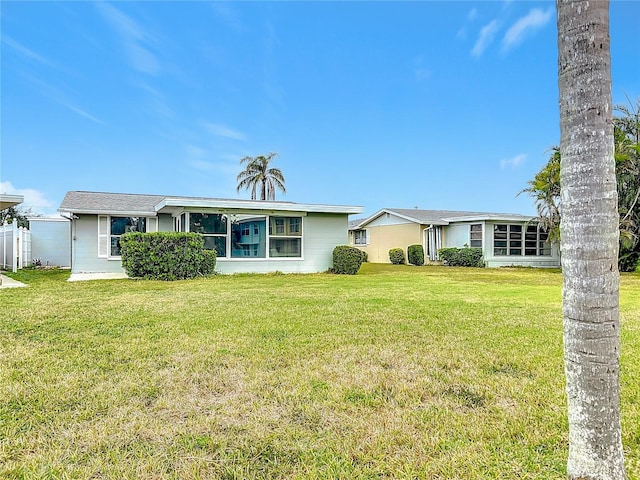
[415, 254]
[166, 255]
[396, 256]
[461, 257]
[347, 260]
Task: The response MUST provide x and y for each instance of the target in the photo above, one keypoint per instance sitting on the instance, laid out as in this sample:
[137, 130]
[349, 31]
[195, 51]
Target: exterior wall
[456, 235]
[84, 248]
[320, 234]
[383, 237]
[388, 232]
[491, 260]
[51, 241]
[165, 222]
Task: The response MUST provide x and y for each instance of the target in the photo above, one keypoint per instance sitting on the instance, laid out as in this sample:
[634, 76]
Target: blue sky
[436, 105]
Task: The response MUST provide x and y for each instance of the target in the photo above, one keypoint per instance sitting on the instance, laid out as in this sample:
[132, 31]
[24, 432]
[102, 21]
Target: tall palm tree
[259, 175]
[589, 241]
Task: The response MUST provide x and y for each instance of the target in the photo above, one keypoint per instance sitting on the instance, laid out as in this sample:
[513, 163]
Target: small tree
[18, 215]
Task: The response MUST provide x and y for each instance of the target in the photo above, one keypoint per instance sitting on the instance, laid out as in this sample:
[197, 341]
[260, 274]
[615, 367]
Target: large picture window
[213, 226]
[248, 236]
[285, 236]
[519, 240]
[122, 225]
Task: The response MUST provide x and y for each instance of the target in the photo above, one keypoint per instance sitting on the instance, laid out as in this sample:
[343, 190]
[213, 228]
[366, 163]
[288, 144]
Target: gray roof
[440, 217]
[149, 205]
[98, 202]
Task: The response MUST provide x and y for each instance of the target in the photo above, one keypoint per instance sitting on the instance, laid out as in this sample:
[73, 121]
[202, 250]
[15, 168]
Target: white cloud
[534, 20]
[220, 130]
[33, 199]
[473, 13]
[487, 33]
[513, 162]
[18, 47]
[134, 39]
[52, 93]
[228, 15]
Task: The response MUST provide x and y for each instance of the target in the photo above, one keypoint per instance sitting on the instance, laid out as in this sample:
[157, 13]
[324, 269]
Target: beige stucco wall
[383, 238]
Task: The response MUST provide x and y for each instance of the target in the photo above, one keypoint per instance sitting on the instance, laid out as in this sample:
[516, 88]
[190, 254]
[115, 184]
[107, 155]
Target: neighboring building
[505, 239]
[248, 235]
[50, 241]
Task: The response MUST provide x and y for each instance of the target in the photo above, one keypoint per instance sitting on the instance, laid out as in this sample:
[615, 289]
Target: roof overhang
[123, 213]
[8, 201]
[494, 218]
[179, 204]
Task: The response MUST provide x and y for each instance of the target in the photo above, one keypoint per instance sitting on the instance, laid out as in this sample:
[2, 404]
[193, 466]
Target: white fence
[15, 247]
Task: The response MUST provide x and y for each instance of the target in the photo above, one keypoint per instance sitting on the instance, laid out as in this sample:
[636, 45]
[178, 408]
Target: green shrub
[461, 257]
[347, 260]
[396, 255]
[166, 255]
[415, 254]
[365, 256]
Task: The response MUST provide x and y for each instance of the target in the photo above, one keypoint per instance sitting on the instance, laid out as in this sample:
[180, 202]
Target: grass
[397, 372]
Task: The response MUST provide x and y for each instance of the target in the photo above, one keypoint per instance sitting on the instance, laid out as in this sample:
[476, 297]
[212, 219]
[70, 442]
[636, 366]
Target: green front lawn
[397, 372]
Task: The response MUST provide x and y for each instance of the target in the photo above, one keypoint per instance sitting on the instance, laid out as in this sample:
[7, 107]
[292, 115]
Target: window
[507, 239]
[518, 240]
[475, 236]
[536, 241]
[213, 226]
[248, 238]
[285, 236]
[120, 226]
[360, 237]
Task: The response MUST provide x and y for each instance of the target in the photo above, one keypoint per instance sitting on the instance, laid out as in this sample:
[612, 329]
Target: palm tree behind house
[259, 175]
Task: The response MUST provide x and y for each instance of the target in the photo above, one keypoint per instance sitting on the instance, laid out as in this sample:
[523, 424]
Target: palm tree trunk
[589, 241]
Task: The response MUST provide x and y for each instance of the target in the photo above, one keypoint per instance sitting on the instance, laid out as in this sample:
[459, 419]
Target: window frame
[516, 240]
[472, 231]
[106, 237]
[356, 237]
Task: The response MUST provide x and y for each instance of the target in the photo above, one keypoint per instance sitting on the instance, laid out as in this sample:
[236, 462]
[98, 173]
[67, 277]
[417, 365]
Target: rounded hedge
[396, 256]
[347, 260]
[415, 254]
[166, 255]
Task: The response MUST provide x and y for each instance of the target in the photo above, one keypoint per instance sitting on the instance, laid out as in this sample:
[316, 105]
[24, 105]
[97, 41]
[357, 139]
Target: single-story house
[505, 239]
[248, 235]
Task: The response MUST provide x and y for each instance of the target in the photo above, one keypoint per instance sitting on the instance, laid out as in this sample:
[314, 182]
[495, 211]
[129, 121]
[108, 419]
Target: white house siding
[320, 235]
[321, 232]
[165, 222]
[456, 235]
[51, 241]
[84, 248]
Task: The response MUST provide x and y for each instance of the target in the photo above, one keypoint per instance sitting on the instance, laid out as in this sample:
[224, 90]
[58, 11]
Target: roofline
[172, 202]
[499, 217]
[8, 201]
[509, 217]
[128, 213]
